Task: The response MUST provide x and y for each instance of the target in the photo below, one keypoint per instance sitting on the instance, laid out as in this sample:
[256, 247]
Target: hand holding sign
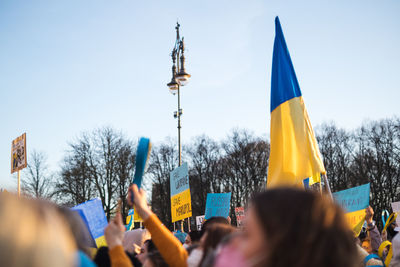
[369, 214]
[139, 201]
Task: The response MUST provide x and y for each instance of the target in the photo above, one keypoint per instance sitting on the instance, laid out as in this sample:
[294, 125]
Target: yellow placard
[18, 153]
[136, 217]
[181, 206]
[355, 220]
[128, 219]
[101, 242]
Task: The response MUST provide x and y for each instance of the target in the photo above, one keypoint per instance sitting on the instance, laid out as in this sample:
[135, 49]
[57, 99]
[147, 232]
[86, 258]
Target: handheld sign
[181, 203]
[199, 222]
[18, 153]
[142, 156]
[95, 218]
[218, 205]
[129, 220]
[239, 212]
[354, 200]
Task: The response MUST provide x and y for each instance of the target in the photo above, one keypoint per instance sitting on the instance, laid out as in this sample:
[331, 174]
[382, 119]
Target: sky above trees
[69, 67]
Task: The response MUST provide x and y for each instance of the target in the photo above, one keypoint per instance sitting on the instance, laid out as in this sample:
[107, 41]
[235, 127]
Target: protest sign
[181, 204]
[199, 222]
[239, 212]
[95, 217]
[354, 200]
[130, 220]
[218, 204]
[18, 153]
[396, 208]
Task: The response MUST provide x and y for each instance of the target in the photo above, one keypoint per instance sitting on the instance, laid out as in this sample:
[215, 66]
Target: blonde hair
[32, 233]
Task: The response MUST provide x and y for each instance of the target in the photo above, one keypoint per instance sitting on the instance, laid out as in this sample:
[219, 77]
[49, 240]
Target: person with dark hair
[102, 258]
[292, 227]
[192, 238]
[147, 248]
[212, 237]
[212, 221]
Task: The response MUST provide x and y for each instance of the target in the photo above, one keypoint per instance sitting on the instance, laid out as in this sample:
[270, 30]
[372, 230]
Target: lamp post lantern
[179, 78]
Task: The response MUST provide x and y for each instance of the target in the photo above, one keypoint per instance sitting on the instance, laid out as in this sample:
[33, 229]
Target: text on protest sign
[218, 204]
[354, 200]
[199, 222]
[95, 219]
[239, 212]
[18, 153]
[181, 204]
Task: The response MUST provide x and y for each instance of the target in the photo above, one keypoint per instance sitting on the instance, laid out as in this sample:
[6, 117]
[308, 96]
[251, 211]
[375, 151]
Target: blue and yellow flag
[294, 154]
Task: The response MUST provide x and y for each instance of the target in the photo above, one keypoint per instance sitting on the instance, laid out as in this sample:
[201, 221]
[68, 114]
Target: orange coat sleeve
[119, 258]
[174, 254]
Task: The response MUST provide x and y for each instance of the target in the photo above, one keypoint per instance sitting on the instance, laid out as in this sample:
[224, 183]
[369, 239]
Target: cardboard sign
[129, 220]
[218, 204]
[396, 208]
[239, 212]
[18, 153]
[181, 203]
[353, 199]
[199, 222]
[96, 219]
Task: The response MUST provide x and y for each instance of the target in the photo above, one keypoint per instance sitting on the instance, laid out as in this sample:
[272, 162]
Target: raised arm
[170, 248]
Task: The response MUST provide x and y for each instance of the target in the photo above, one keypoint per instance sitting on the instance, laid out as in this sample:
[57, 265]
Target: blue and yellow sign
[181, 203]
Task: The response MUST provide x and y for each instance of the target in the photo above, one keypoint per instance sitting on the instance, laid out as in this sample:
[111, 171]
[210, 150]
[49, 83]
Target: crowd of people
[283, 227]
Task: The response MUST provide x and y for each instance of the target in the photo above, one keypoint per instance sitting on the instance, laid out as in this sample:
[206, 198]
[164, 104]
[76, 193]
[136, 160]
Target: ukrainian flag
[294, 154]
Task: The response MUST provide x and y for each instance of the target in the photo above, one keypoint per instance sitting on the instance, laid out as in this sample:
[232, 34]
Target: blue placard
[218, 204]
[94, 215]
[131, 212]
[353, 199]
[179, 179]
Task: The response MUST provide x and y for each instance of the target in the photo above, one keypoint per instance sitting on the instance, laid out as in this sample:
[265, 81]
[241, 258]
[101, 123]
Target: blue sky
[72, 66]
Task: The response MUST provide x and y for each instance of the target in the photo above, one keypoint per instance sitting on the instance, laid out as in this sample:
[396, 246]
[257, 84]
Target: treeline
[101, 164]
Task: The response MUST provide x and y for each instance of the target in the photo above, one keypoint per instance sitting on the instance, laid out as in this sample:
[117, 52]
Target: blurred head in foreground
[32, 233]
[292, 227]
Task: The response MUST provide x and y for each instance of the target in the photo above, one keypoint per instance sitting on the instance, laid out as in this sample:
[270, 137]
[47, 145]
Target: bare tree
[377, 160]
[203, 156]
[164, 159]
[38, 182]
[243, 166]
[336, 146]
[99, 164]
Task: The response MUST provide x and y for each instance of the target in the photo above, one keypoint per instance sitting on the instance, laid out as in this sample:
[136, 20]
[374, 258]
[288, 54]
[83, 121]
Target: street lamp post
[179, 78]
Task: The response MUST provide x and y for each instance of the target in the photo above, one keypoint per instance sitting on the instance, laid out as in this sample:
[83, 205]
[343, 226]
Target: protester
[181, 236]
[192, 238]
[395, 262]
[374, 240]
[292, 227]
[33, 234]
[102, 258]
[210, 240]
[114, 235]
[285, 227]
[148, 247]
[79, 230]
[211, 221]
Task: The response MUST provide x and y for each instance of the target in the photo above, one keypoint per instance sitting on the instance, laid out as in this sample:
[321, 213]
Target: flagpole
[327, 187]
